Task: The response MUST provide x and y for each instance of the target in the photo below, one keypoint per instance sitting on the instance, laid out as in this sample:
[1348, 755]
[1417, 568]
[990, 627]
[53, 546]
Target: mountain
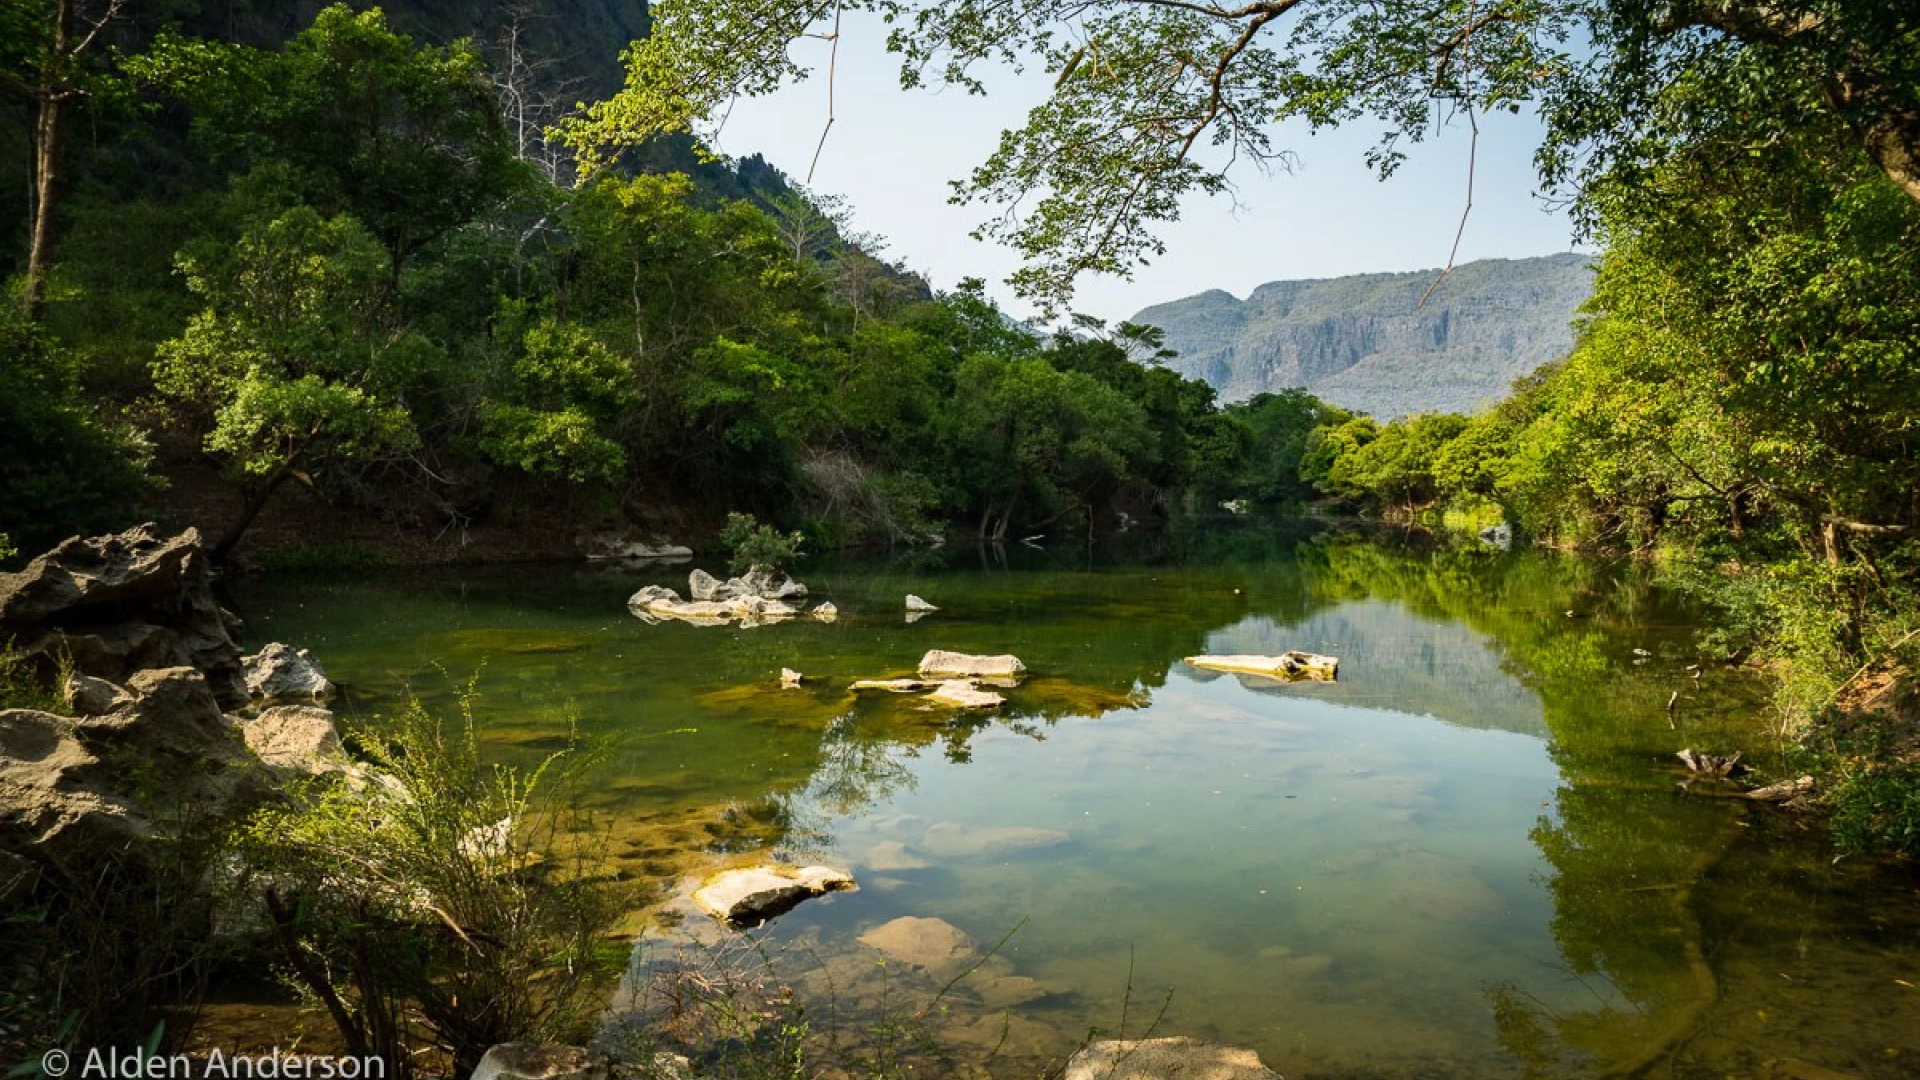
[1364, 342]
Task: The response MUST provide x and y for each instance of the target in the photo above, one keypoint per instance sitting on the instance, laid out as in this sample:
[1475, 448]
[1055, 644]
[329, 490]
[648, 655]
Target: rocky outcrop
[1161, 1059]
[759, 582]
[283, 673]
[754, 599]
[1288, 666]
[297, 740]
[940, 663]
[115, 605]
[754, 894]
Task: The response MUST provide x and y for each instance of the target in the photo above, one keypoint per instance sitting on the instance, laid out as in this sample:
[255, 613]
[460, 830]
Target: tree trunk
[1895, 147]
[256, 501]
[49, 143]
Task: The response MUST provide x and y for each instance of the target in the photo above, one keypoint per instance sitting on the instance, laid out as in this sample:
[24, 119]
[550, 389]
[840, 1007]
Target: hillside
[1364, 342]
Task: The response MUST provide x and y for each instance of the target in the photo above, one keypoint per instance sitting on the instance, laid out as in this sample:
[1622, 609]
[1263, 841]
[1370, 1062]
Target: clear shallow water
[1466, 858]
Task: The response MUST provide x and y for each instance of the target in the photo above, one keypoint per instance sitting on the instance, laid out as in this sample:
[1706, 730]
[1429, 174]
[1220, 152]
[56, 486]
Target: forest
[406, 284]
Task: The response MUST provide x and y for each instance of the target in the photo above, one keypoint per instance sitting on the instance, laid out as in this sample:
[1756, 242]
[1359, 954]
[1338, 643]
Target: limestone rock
[54, 805]
[954, 840]
[963, 694]
[770, 585]
[954, 665]
[754, 894]
[825, 612]
[917, 605]
[119, 603]
[296, 738]
[790, 679]
[894, 855]
[1176, 1058]
[935, 945]
[897, 686]
[280, 672]
[704, 586]
[541, 1061]
[1287, 666]
[88, 696]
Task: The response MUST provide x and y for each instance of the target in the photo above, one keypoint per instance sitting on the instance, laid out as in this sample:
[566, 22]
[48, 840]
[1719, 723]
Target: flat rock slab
[954, 665]
[1177, 1058]
[936, 945]
[301, 738]
[754, 894]
[1287, 666]
[894, 855]
[953, 840]
[897, 686]
[963, 694]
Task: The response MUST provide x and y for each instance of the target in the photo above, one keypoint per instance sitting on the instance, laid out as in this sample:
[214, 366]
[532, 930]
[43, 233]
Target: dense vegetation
[345, 271]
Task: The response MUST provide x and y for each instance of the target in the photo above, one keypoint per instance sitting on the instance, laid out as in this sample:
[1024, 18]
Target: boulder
[541, 1061]
[704, 586]
[963, 694]
[754, 894]
[825, 612]
[280, 672]
[1288, 666]
[88, 696]
[953, 665]
[917, 605]
[650, 595]
[298, 739]
[1165, 1059]
[770, 585]
[115, 604]
[55, 806]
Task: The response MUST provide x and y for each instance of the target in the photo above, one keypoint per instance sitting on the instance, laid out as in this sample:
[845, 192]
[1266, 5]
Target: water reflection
[1466, 858]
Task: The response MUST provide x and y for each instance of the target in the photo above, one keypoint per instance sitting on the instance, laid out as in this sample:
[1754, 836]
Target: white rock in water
[790, 679]
[826, 612]
[1161, 1059]
[897, 686]
[963, 694]
[940, 662]
[1288, 665]
[751, 896]
[914, 603]
[282, 671]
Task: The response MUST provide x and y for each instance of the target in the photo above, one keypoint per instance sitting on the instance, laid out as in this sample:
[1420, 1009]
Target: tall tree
[58, 38]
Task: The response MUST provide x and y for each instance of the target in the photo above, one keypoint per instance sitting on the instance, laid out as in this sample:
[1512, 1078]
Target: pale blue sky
[892, 152]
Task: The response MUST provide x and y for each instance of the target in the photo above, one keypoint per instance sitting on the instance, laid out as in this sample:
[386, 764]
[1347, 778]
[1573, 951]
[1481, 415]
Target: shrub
[758, 547]
[441, 901]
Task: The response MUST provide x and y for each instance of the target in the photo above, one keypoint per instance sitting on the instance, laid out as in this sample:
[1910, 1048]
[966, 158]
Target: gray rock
[298, 739]
[116, 604]
[943, 664]
[704, 586]
[770, 585]
[1165, 1059]
[88, 696]
[754, 894]
[954, 840]
[825, 612]
[541, 1061]
[281, 672]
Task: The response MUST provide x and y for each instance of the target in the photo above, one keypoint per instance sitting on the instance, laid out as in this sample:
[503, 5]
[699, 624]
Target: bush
[758, 547]
[441, 902]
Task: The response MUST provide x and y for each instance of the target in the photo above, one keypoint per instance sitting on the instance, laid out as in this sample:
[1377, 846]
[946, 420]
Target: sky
[892, 153]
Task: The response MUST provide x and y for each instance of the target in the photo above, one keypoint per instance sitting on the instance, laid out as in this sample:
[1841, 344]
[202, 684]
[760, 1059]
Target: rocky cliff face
[1366, 343]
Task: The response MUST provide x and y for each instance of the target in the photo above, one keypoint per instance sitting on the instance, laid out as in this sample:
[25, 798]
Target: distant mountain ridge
[1364, 342]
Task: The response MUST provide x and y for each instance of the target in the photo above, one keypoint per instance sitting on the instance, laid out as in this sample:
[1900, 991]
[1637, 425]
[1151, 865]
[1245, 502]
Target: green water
[1466, 858]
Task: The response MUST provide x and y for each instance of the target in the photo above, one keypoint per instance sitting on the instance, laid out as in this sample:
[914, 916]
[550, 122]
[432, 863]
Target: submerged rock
[941, 663]
[280, 671]
[896, 686]
[1287, 666]
[934, 945]
[752, 895]
[954, 840]
[1165, 1059]
[964, 694]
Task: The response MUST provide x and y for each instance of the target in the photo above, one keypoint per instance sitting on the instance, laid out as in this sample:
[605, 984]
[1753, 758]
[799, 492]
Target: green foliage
[334, 556]
[1876, 807]
[753, 546]
[465, 894]
[64, 467]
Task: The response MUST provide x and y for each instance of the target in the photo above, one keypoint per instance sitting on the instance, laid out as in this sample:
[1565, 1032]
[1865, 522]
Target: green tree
[297, 366]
